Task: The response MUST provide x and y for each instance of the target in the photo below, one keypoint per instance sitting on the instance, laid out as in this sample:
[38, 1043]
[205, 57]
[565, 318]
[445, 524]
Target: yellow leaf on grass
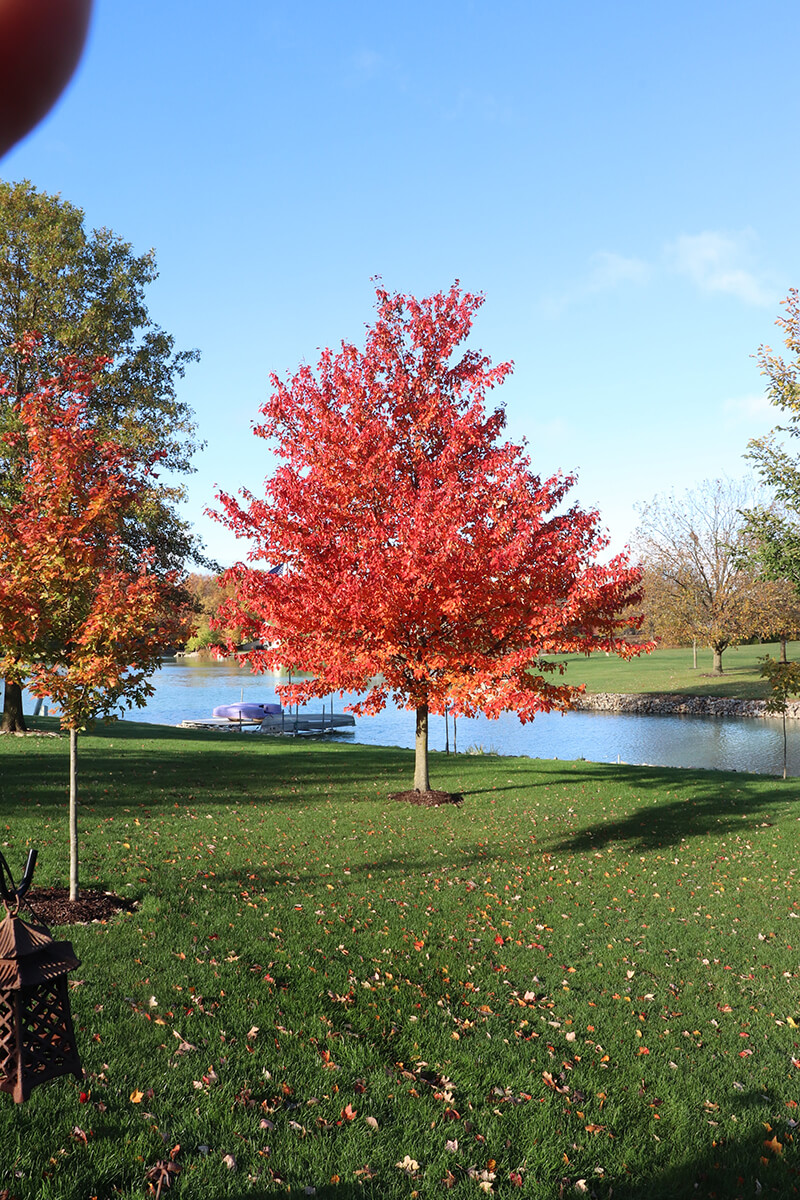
[137, 1096]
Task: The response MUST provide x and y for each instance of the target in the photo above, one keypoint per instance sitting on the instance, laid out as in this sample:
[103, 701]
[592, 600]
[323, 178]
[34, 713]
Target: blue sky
[620, 180]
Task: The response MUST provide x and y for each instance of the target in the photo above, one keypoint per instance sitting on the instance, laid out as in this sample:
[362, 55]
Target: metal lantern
[37, 1039]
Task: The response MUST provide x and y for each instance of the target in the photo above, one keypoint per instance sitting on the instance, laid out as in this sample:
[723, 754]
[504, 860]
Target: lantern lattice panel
[37, 1040]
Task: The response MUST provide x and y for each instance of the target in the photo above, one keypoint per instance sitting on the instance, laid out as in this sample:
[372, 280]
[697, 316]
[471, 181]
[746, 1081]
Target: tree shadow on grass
[731, 1169]
[125, 765]
[686, 804]
[763, 1162]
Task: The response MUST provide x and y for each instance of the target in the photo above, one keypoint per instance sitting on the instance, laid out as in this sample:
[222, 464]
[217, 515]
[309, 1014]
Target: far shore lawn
[584, 981]
[671, 670]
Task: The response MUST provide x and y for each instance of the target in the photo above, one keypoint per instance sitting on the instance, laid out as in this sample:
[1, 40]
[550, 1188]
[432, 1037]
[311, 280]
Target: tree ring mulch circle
[430, 799]
[53, 906]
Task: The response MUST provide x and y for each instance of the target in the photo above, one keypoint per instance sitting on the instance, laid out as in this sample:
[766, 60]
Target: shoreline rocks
[669, 704]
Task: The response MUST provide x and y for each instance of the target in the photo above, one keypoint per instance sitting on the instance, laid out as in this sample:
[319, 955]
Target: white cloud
[606, 272]
[609, 270]
[756, 407]
[713, 261]
[720, 262]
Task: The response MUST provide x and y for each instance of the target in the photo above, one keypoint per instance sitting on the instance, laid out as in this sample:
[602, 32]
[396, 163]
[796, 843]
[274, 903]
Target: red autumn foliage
[422, 558]
[80, 620]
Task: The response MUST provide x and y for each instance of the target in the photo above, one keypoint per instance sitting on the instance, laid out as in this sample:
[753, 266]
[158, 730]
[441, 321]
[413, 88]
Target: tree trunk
[421, 780]
[13, 719]
[783, 657]
[73, 814]
[717, 668]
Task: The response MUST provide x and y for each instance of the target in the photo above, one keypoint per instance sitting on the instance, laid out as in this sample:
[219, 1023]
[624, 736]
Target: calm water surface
[192, 689]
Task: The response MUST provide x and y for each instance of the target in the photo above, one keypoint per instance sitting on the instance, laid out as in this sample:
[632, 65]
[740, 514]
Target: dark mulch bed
[53, 906]
[430, 799]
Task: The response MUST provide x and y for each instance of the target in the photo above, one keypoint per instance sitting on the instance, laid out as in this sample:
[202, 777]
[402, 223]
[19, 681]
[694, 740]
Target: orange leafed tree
[423, 558]
[81, 620]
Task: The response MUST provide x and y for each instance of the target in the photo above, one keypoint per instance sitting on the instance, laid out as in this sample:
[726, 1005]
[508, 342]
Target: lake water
[186, 689]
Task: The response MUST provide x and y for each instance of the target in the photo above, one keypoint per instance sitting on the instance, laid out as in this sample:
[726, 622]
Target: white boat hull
[276, 724]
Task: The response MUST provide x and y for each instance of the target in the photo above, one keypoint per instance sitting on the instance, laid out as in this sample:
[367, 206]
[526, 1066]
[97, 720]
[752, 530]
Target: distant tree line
[704, 581]
[207, 592]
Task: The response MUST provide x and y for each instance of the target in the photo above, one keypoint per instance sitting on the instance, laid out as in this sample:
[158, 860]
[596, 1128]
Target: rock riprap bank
[668, 704]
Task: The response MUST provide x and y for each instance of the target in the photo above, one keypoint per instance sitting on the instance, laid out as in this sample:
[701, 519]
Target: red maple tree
[81, 620]
[422, 558]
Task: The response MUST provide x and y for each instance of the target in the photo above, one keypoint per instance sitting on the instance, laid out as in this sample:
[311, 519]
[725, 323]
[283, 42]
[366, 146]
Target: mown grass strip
[671, 670]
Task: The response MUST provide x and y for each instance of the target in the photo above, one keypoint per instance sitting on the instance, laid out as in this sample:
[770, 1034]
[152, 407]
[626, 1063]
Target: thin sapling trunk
[421, 779]
[73, 814]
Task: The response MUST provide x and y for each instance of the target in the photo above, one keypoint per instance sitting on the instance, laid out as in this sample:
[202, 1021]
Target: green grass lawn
[582, 981]
[672, 671]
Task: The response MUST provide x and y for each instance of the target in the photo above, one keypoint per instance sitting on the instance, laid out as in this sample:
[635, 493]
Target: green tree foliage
[774, 529]
[83, 293]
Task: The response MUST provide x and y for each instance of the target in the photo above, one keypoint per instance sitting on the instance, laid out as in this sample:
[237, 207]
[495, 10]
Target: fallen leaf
[366, 1171]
